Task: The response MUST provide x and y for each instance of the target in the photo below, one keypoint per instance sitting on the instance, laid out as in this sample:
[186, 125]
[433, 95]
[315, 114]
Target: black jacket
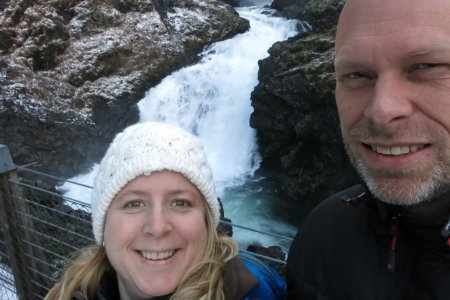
[109, 289]
[368, 251]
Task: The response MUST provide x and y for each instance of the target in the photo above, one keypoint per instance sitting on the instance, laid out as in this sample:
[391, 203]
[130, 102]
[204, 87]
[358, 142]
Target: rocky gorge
[71, 73]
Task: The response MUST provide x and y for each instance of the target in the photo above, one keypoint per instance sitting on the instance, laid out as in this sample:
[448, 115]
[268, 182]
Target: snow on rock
[72, 71]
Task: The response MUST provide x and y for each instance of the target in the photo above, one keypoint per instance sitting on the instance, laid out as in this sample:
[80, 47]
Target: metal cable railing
[88, 206]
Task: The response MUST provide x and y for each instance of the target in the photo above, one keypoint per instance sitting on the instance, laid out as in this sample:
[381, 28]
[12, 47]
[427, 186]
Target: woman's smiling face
[155, 230]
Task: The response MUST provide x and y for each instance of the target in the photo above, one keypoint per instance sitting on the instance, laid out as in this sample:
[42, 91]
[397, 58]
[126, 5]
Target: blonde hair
[82, 276]
[203, 281]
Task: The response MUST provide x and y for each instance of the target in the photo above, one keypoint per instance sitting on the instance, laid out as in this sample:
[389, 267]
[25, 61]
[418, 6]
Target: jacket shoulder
[324, 243]
[336, 207]
[271, 285]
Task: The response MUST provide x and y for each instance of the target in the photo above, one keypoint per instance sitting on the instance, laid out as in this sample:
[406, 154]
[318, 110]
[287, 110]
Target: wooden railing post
[12, 225]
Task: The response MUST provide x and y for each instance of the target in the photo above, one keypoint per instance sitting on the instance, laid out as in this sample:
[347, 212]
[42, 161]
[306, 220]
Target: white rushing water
[8, 288]
[212, 100]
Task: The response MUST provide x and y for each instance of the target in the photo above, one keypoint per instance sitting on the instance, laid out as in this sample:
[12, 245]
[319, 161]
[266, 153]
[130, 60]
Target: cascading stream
[212, 100]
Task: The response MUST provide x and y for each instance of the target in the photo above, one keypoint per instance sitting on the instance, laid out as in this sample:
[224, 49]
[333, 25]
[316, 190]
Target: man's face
[393, 95]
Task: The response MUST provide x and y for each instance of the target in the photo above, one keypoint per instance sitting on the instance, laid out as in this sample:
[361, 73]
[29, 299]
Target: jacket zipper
[394, 236]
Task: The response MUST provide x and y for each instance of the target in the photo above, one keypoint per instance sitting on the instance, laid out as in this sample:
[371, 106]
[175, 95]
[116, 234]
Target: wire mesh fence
[40, 229]
[39, 232]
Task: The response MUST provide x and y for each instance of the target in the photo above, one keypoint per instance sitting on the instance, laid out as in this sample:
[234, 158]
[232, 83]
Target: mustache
[369, 130]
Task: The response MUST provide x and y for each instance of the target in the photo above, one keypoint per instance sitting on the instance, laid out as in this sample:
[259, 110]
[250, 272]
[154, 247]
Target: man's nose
[390, 101]
[157, 223]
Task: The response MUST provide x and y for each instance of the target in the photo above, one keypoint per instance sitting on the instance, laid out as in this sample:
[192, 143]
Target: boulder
[291, 9]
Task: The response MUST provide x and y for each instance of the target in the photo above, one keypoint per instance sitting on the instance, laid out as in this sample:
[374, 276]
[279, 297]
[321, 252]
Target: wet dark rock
[272, 251]
[291, 9]
[295, 114]
[322, 15]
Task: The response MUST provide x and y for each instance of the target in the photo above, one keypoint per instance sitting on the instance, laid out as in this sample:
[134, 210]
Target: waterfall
[212, 100]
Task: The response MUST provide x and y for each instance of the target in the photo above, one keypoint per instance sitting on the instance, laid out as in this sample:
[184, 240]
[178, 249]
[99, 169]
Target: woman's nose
[157, 223]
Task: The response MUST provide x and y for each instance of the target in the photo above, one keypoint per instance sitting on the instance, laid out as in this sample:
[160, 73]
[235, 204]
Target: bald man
[389, 237]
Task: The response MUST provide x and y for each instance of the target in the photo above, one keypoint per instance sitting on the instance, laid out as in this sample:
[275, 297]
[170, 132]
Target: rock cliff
[71, 71]
[294, 111]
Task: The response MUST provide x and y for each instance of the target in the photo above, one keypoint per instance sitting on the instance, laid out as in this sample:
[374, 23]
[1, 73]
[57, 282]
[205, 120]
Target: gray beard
[420, 191]
[409, 186]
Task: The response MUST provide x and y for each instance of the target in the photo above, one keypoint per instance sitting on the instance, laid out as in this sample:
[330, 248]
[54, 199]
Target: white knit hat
[144, 148]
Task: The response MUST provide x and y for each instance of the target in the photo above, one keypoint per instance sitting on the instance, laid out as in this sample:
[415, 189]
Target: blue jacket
[271, 286]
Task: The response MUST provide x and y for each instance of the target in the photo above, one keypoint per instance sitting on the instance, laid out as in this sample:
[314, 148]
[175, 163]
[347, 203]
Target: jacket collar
[429, 236]
[238, 282]
[109, 288]
[427, 231]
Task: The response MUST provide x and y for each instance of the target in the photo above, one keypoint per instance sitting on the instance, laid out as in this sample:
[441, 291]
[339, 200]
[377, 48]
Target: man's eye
[355, 75]
[354, 80]
[425, 66]
[430, 66]
[429, 71]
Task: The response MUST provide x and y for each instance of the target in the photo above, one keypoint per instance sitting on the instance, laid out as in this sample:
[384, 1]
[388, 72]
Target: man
[391, 240]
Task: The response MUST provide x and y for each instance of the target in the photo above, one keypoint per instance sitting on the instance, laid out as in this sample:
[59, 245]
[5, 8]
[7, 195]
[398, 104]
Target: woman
[155, 212]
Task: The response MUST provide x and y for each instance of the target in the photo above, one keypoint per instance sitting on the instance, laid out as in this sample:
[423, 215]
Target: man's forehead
[364, 18]
[392, 14]
[353, 56]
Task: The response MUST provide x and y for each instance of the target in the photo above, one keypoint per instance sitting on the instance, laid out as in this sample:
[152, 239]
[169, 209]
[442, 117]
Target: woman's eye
[180, 203]
[134, 204]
